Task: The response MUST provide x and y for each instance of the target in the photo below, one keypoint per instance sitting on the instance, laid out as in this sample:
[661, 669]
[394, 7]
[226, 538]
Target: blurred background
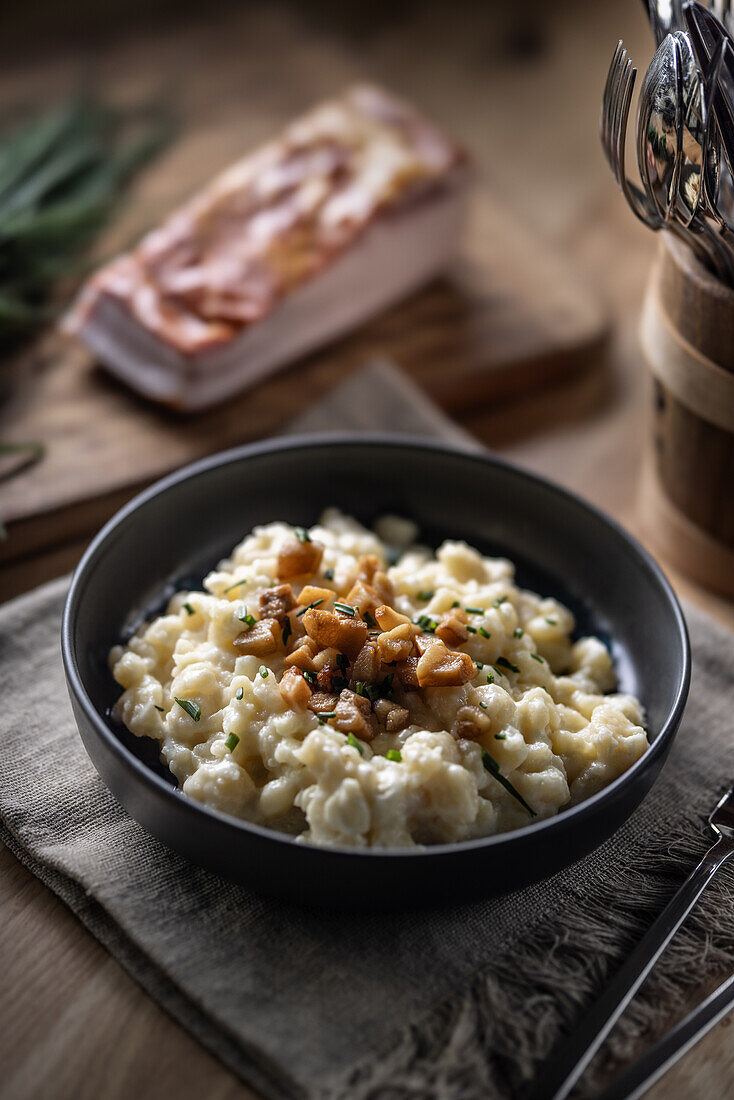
[559, 264]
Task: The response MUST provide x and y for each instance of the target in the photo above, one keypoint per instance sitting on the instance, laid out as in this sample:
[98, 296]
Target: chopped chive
[422, 594]
[352, 740]
[192, 709]
[287, 629]
[373, 633]
[359, 688]
[494, 769]
[474, 610]
[159, 708]
[518, 632]
[472, 629]
[263, 670]
[328, 574]
[455, 604]
[302, 534]
[537, 657]
[480, 665]
[345, 608]
[189, 609]
[246, 618]
[483, 706]
[314, 603]
[327, 714]
[232, 742]
[552, 622]
[310, 678]
[370, 619]
[499, 601]
[484, 633]
[394, 754]
[425, 622]
[235, 585]
[490, 678]
[500, 737]
[240, 692]
[342, 661]
[504, 663]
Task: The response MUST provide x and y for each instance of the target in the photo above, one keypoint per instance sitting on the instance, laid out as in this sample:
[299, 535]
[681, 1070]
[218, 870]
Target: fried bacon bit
[275, 603]
[331, 678]
[310, 593]
[263, 638]
[294, 689]
[326, 657]
[471, 723]
[407, 672]
[299, 559]
[392, 716]
[452, 629]
[368, 565]
[388, 619]
[321, 702]
[364, 597]
[338, 631]
[424, 642]
[440, 666]
[352, 715]
[395, 644]
[384, 587]
[303, 657]
[367, 664]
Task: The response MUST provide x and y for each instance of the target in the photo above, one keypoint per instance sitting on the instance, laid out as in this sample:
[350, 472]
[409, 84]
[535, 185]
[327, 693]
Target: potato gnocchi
[351, 687]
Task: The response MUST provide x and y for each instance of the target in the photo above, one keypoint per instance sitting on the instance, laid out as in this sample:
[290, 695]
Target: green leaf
[494, 769]
[192, 709]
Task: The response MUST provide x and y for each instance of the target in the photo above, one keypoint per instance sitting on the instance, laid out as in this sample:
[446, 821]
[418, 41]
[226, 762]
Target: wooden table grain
[522, 88]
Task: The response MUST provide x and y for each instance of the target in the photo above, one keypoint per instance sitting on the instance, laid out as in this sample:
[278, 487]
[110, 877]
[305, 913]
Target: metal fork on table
[560, 1073]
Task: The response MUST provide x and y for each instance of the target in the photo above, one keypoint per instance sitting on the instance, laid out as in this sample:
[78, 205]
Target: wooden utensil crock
[687, 492]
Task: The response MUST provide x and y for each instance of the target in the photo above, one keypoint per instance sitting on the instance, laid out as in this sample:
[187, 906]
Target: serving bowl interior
[174, 533]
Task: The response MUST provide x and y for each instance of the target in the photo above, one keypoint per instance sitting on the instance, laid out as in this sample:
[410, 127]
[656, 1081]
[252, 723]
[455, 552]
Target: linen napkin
[448, 1004]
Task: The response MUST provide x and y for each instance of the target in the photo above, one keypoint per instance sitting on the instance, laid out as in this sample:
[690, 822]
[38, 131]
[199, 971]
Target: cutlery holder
[687, 493]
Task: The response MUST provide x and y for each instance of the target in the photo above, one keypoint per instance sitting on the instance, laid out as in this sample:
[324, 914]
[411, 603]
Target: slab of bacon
[354, 205]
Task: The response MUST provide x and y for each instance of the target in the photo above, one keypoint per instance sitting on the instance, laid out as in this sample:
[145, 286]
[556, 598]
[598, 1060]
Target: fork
[560, 1073]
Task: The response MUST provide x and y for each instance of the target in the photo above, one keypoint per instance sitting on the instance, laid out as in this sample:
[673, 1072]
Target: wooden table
[72, 1023]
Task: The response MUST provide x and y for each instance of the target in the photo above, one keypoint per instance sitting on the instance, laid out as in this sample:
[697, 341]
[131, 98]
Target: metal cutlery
[654, 210]
[558, 1076]
[685, 120]
[651, 1066]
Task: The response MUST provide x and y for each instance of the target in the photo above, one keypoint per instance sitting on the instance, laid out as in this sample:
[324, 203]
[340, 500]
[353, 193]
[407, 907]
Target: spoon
[671, 97]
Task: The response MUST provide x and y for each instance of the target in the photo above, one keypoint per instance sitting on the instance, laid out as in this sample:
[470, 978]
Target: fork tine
[608, 99]
[622, 117]
[621, 114]
[619, 122]
[609, 102]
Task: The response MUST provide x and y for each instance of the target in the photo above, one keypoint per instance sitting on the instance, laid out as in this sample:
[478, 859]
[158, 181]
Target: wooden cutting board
[508, 317]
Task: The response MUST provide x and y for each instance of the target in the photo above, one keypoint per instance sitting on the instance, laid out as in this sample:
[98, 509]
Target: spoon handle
[558, 1076]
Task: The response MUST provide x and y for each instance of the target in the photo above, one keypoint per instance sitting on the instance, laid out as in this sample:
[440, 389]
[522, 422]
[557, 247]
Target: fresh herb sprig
[494, 769]
[60, 176]
[192, 709]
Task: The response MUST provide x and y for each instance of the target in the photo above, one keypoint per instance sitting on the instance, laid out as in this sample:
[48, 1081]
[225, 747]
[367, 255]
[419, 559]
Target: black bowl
[174, 532]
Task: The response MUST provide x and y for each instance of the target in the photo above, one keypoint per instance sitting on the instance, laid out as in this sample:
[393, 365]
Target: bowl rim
[174, 796]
